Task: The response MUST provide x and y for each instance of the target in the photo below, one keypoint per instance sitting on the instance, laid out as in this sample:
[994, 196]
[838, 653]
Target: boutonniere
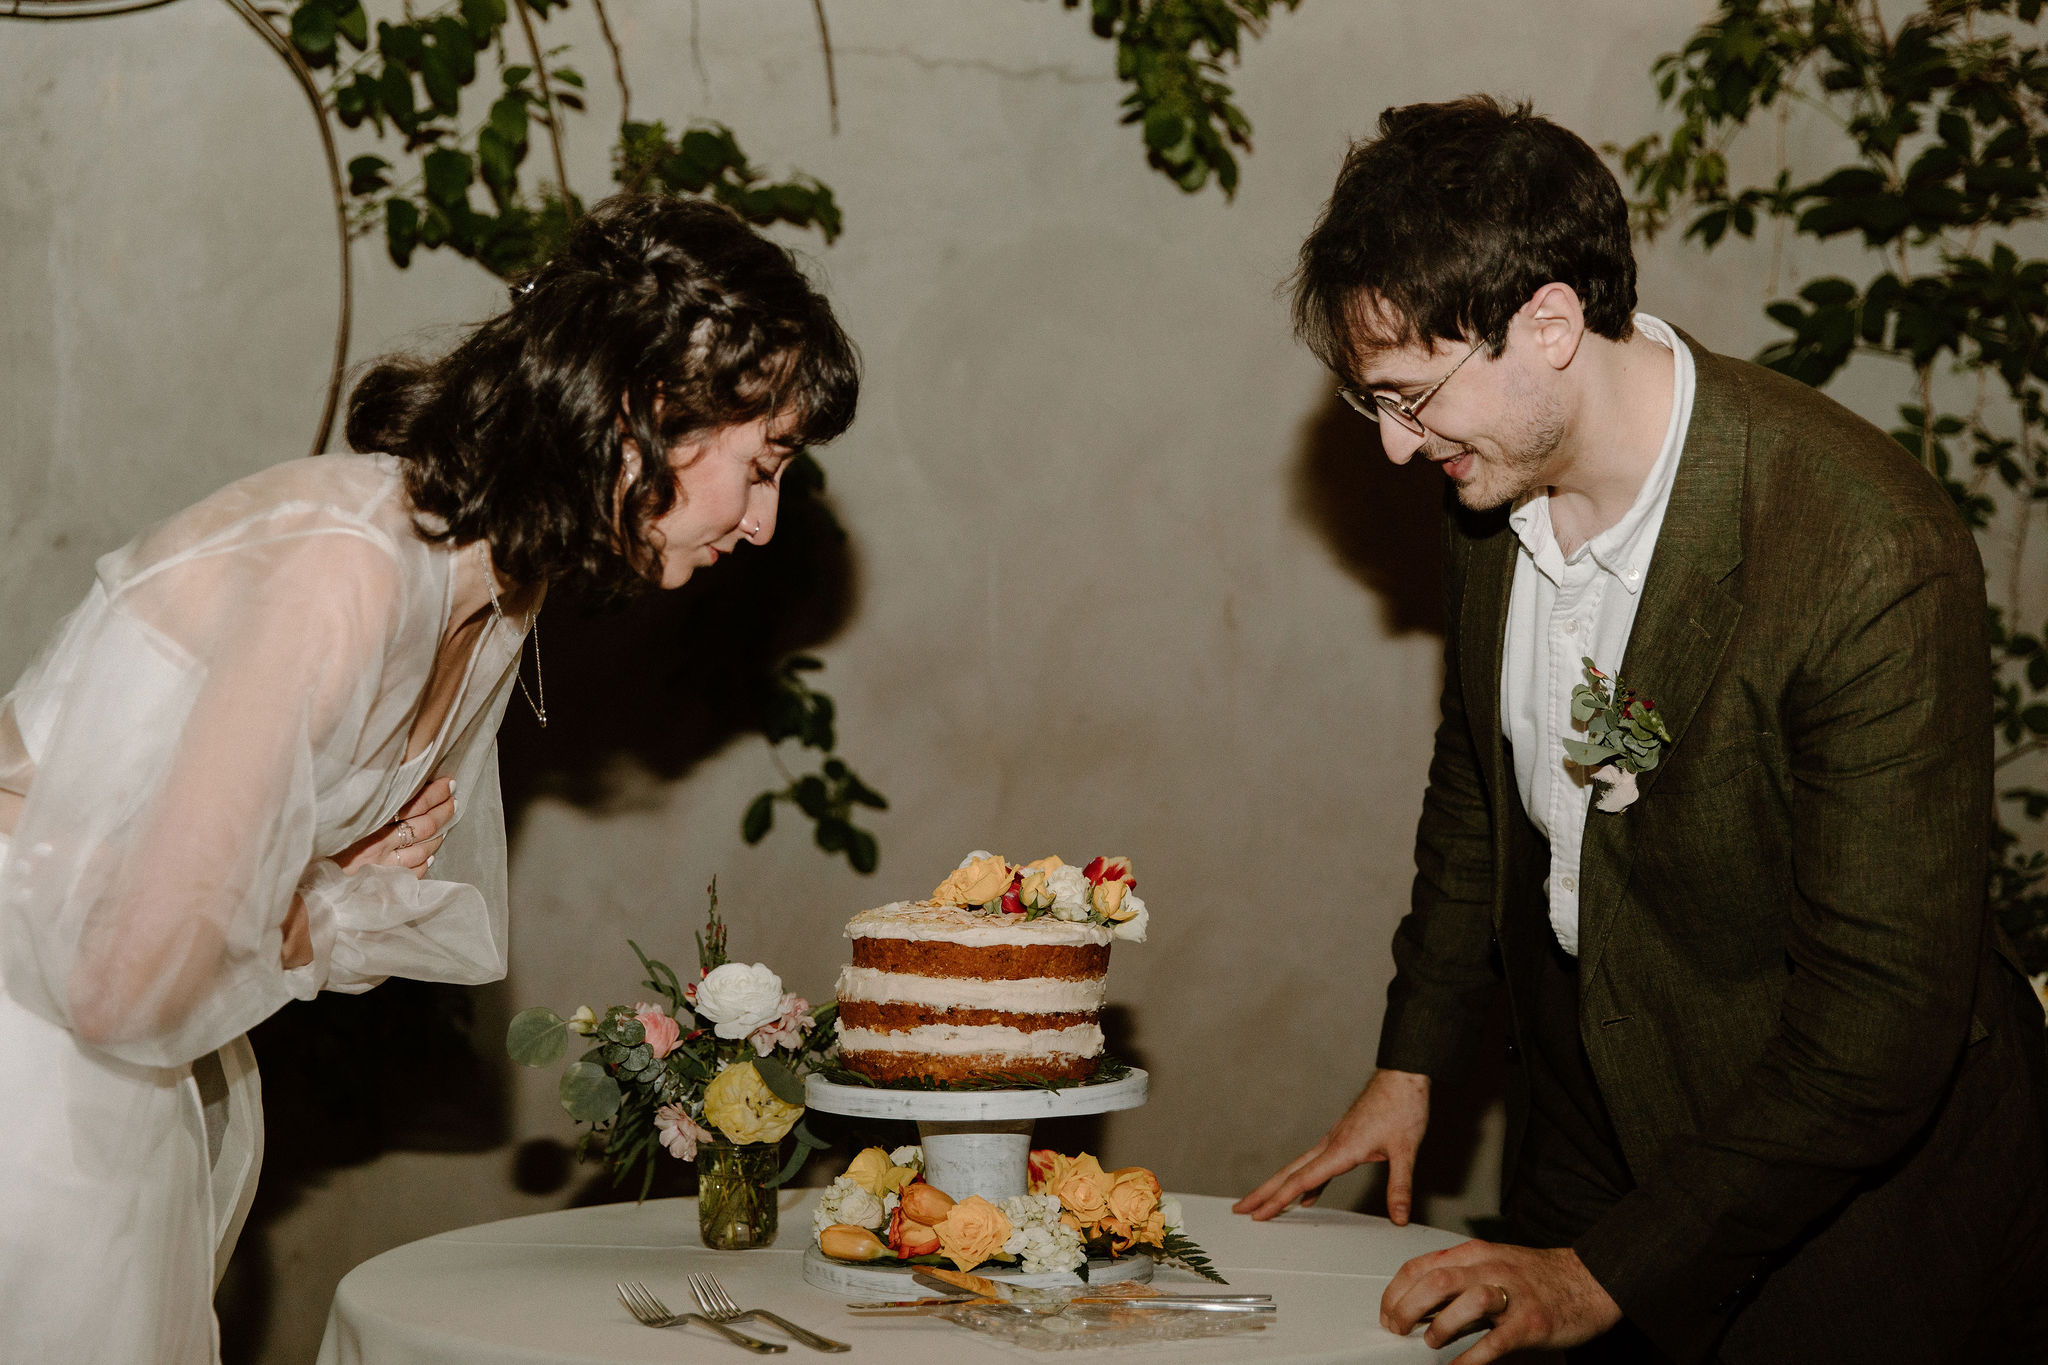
[1624, 736]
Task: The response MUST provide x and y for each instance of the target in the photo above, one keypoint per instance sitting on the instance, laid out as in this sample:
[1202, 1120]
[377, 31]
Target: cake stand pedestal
[975, 1142]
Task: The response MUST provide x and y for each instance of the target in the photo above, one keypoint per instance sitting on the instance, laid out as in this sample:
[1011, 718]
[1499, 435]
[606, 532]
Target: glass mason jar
[735, 1204]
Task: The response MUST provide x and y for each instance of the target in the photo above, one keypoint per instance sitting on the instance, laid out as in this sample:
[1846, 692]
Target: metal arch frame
[57, 10]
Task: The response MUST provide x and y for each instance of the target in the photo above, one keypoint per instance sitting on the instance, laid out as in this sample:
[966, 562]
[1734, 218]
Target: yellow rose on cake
[740, 1104]
[983, 877]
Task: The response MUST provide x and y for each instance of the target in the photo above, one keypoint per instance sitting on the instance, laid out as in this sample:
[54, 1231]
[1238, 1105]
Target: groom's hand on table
[1385, 1123]
[1525, 1298]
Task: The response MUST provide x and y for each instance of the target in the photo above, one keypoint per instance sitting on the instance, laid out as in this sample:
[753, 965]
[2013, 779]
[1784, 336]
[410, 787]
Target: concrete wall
[1124, 577]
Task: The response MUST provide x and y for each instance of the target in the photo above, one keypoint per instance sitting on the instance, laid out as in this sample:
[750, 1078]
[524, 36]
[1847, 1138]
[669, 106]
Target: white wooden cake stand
[975, 1142]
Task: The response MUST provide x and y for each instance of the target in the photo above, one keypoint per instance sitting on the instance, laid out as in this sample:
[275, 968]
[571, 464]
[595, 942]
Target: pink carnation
[787, 1029]
[663, 1033]
[679, 1132]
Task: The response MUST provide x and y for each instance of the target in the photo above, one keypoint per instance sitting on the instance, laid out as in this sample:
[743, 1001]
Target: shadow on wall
[643, 692]
[1384, 524]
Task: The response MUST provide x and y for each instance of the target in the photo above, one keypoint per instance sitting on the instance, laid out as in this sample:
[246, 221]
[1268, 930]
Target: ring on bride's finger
[406, 837]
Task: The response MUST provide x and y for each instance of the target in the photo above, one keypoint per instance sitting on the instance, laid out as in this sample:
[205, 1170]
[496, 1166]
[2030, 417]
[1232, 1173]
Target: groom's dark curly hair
[662, 318]
[1444, 225]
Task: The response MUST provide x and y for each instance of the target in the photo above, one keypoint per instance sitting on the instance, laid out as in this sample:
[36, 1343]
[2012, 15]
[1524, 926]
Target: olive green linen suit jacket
[1784, 945]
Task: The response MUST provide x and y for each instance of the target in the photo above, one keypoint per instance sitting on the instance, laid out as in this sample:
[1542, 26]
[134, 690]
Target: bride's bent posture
[259, 760]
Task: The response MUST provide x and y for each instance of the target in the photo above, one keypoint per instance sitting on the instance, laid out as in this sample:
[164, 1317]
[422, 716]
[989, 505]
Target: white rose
[1133, 929]
[739, 998]
[1069, 892]
[911, 1156]
[1169, 1212]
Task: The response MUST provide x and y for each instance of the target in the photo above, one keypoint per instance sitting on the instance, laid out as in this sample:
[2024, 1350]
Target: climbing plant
[1941, 112]
[455, 98]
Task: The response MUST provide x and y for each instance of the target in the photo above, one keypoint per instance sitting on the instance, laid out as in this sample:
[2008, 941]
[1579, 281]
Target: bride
[259, 760]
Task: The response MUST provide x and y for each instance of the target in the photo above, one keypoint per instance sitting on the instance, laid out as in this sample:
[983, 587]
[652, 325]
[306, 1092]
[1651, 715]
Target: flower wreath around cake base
[883, 1212]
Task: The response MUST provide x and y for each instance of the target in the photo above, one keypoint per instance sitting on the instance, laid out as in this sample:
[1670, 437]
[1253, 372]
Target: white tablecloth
[539, 1291]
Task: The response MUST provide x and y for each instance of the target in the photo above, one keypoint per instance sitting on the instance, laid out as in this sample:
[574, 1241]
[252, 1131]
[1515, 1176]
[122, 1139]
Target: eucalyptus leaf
[781, 1081]
[589, 1094]
[537, 1037]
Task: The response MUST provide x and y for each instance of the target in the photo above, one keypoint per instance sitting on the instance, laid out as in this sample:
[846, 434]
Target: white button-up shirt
[1563, 610]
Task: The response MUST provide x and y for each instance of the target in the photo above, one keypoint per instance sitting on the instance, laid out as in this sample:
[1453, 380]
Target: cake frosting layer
[1032, 995]
[953, 1040]
[920, 921]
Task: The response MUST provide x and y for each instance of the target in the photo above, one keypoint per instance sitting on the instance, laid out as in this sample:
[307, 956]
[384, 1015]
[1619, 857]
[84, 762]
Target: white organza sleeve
[180, 733]
[384, 921]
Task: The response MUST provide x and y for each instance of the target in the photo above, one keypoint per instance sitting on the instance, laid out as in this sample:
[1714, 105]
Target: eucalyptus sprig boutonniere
[1624, 736]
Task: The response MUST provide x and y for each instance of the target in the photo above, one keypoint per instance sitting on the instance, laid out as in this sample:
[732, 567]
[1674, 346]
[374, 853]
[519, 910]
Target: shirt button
[1570, 883]
[1633, 574]
[1571, 627]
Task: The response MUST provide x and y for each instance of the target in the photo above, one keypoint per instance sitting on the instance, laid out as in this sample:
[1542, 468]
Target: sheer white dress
[229, 708]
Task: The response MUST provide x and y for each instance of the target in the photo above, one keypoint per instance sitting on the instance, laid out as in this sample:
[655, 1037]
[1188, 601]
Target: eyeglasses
[1380, 406]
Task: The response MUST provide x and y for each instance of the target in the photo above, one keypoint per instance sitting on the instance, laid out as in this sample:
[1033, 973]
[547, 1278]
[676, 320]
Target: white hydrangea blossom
[844, 1201]
[911, 1156]
[1069, 893]
[1038, 1236]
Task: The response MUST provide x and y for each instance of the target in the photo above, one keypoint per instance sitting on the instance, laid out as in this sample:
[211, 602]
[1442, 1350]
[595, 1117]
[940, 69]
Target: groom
[1777, 1086]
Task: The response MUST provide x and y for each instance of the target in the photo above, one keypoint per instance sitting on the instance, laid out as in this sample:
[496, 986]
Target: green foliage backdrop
[1942, 117]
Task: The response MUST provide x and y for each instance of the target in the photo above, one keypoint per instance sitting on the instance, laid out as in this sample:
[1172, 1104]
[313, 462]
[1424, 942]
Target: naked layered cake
[1000, 970]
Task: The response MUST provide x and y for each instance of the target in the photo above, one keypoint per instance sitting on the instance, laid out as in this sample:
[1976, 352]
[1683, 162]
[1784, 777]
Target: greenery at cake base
[1107, 1069]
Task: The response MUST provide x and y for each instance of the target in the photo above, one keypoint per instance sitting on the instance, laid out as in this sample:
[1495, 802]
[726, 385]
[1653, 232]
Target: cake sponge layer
[996, 962]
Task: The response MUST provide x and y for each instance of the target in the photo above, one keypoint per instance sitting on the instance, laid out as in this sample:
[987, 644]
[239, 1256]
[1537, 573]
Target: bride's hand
[411, 839]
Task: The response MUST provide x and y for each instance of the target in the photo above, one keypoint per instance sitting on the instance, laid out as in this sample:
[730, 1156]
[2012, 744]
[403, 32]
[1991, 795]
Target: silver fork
[719, 1307]
[649, 1311]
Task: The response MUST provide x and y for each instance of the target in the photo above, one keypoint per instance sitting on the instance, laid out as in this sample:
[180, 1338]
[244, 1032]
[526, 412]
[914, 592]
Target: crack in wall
[1063, 75]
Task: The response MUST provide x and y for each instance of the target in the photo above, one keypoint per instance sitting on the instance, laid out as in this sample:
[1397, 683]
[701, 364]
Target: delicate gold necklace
[540, 708]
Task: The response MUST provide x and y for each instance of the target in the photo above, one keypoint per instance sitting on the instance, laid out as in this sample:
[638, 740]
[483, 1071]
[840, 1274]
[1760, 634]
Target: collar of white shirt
[1623, 549]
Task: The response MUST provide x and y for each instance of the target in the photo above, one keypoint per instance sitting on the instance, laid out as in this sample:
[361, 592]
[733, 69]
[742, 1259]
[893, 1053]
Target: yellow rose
[1045, 864]
[1134, 1197]
[1034, 892]
[972, 1231]
[740, 1104]
[1046, 1169]
[872, 1171]
[1108, 897]
[1084, 1189]
[981, 881]
[845, 1242]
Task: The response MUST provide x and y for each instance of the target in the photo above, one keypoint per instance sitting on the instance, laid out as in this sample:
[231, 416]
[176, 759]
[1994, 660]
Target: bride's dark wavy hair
[661, 319]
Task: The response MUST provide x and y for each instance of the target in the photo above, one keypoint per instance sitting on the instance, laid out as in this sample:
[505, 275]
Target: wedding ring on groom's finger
[406, 837]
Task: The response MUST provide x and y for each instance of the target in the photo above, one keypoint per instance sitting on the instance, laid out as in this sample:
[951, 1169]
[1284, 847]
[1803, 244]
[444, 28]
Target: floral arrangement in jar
[1103, 892]
[882, 1210]
[719, 1060]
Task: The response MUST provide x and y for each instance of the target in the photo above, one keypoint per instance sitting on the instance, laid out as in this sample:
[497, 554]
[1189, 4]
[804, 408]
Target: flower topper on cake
[1624, 736]
[1104, 892]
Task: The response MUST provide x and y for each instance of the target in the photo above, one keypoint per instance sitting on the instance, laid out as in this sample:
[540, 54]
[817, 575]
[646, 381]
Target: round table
[539, 1291]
